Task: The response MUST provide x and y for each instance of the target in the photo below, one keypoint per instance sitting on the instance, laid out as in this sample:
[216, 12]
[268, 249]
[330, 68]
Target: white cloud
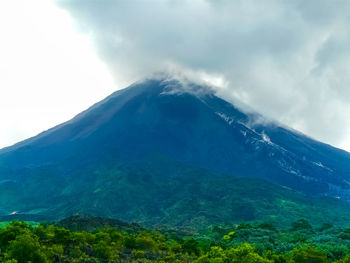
[48, 72]
[287, 59]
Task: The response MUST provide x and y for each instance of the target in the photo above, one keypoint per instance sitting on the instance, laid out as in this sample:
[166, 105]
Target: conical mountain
[162, 145]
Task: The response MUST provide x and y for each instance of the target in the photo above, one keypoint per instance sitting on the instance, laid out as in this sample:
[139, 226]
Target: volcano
[172, 152]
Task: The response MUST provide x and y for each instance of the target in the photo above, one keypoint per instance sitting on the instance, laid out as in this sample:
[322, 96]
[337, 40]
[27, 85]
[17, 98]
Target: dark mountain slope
[112, 159]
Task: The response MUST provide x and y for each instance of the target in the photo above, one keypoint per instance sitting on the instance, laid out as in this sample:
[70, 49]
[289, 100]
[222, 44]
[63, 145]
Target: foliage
[164, 192]
[262, 242]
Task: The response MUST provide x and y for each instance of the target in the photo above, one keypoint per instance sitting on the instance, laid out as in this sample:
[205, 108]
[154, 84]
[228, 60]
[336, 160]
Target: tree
[308, 255]
[26, 248]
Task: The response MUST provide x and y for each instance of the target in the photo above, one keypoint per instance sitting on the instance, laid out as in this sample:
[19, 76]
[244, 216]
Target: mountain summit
[159, 131]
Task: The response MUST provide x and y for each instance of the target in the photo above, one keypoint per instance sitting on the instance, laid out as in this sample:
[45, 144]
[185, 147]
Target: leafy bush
[243, 243]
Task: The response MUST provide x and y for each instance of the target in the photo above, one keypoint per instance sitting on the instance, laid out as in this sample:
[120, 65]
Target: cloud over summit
[288, 60]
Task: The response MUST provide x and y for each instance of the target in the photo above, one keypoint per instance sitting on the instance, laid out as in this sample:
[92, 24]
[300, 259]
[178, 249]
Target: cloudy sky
[289, 60]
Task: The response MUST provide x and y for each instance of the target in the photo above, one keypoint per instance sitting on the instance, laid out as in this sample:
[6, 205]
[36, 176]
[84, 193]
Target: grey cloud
[286, 59]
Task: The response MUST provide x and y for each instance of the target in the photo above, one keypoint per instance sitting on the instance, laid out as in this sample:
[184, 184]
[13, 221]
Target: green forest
[92, 241]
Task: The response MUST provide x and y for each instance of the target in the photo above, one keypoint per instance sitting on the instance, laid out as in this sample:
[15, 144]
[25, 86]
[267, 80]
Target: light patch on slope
[266, 138]
[319, 164]
[226, 118]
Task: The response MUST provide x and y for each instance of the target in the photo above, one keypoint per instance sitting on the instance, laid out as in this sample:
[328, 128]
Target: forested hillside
[162, 152]
[299, 242]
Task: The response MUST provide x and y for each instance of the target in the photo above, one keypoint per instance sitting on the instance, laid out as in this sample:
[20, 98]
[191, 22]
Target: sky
[49, 71]
[288, 60]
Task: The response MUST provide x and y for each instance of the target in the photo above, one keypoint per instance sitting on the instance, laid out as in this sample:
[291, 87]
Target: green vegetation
[248, 243]
[178, 197]
[162, 192]
[30, 223]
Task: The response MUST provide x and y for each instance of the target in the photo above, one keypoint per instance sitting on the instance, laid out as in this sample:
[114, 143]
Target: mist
[288, 60]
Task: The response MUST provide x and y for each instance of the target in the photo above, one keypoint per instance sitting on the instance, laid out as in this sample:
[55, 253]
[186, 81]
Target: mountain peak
[169, 86]
[160, 123]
